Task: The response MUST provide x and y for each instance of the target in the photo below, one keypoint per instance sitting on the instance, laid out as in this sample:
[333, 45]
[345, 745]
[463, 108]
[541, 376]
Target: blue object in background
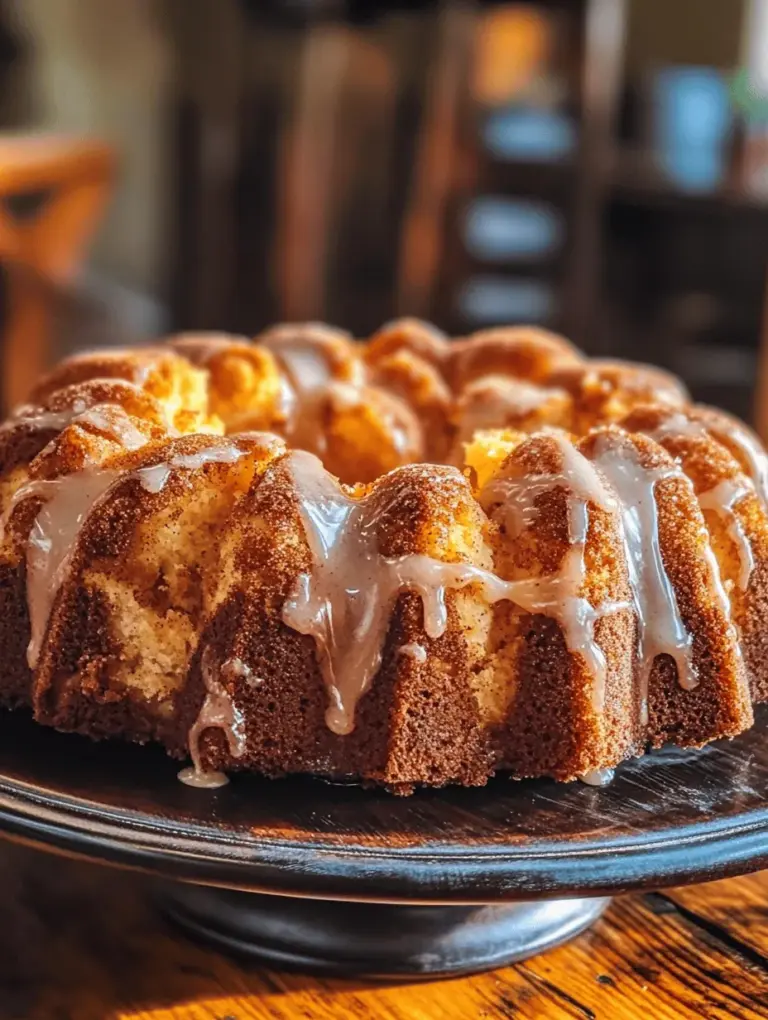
[691, 126]
[529, 134]
[488, 300]
[496, 228]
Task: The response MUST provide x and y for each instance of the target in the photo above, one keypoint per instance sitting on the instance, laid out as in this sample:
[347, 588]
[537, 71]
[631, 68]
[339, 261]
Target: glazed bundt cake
[405, 561]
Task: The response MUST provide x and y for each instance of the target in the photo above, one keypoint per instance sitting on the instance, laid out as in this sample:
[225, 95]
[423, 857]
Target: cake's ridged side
[719, 704]
[438, 728]
[738, 532]
[557, 721]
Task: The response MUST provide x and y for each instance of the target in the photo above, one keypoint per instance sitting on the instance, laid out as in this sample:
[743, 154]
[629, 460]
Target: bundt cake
[403, 561]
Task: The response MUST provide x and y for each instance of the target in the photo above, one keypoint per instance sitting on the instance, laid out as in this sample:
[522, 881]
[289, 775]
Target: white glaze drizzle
[677, 424]
[722, 499]
[660, 626]
[67, 503]
[36, 418]
[155, 477]
[299, 349]
[201, 348]
[206, 780]
[113, 421]
[110, 419]
[344, 601]
[287, 404]
[745, 440]
[305, 364]
[598, 777]
[559, 596]
[218, 711]
[717, 425]
[413, 650]
[235, 667]
[310, 383]
[494, 402]
[576, 472]
[147, 359]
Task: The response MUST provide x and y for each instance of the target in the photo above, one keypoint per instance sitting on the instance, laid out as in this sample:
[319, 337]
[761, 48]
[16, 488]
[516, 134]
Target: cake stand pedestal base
[385, 941]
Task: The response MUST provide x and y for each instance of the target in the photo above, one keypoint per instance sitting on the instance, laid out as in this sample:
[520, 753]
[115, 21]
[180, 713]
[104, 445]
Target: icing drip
[113, 421]
[722, 499]
[142, 361]
[286, 401]
[725, 429]
[559, 596]
[154, 478]
[598, 777]
[310, 384]
[110, 419]
[236, 668]
[413, 651]
[344, 602]
[493, 402]
[218, 711]
[212, 780]
[678, 424]
[299, 349]
[67, 502]
[519, 495]
[43, 421]
[306, 366]
[201, 348]
[661, 627]
[745, 441]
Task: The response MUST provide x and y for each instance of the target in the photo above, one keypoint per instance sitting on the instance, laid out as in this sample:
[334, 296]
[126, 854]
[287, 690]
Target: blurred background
[596, 166]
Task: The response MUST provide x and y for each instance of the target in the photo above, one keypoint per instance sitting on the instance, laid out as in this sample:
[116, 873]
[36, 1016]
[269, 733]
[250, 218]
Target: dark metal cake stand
[339, 879]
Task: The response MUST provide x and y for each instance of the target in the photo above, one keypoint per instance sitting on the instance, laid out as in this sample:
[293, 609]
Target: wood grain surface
[85, 942]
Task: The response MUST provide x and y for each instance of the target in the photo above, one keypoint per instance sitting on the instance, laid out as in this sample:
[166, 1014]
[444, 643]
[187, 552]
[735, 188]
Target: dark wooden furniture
[52, 193]
[326, 164]
[576, 185]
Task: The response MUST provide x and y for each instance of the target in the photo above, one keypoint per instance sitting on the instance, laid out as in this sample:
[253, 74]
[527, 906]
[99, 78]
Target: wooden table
[83, 942]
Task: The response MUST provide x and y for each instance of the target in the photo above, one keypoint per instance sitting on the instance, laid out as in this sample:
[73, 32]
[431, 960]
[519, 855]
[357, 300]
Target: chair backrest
[52, 192]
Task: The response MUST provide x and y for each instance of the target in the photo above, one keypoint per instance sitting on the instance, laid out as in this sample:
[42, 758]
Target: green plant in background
[746, 97]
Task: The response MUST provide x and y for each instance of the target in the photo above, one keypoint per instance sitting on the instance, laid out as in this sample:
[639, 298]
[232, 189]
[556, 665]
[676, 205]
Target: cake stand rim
[412, 874]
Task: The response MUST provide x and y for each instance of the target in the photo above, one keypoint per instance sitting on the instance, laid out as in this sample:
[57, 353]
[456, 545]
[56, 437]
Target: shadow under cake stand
[342, 880]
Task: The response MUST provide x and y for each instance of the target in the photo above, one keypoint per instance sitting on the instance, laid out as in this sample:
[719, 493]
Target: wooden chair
[52, 193]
